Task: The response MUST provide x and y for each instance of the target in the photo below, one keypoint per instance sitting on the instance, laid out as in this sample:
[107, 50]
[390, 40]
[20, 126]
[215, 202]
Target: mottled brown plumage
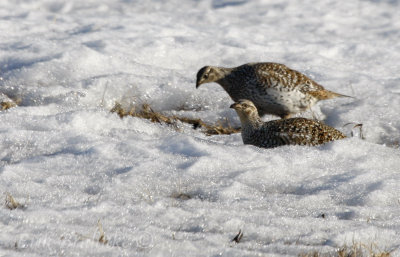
[272, 87]
[293, 131]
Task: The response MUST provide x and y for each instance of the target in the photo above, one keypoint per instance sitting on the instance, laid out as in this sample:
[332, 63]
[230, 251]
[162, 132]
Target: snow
[72, 163]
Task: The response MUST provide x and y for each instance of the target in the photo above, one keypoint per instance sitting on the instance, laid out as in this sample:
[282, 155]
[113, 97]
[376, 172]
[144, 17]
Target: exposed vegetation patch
[11, 203]
[356, 250]
[7, 102]
[146, 112]
[7, 105]
[101, 238]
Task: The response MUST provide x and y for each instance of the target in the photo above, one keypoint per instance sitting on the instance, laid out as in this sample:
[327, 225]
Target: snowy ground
[72, 162]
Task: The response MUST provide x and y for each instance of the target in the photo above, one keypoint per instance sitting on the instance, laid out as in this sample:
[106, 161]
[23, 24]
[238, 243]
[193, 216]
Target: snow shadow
[354, 195]
[182, 146]
[225, 3]
[16, 63]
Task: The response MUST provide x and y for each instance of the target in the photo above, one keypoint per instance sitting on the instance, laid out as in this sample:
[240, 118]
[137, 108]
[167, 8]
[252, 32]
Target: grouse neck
[253, 121]
[223, 77]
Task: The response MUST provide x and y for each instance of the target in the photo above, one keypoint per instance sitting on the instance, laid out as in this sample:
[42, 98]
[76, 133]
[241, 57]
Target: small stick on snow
[238, 237]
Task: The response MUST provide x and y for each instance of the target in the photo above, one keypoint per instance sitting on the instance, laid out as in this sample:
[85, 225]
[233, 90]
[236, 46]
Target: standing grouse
[272, 87]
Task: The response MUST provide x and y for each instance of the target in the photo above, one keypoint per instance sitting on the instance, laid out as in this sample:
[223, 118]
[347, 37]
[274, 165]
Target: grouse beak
[234, 105]
[198, 83]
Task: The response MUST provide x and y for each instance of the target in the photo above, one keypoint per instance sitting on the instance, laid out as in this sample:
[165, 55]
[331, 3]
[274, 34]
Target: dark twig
[238, 237]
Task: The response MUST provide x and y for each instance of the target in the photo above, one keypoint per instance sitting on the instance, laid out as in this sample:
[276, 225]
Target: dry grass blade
[146, 112]
[11, 203]
[102, 238]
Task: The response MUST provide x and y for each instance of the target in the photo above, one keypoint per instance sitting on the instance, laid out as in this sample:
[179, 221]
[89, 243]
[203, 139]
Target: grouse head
[207, 74]
[245, 109]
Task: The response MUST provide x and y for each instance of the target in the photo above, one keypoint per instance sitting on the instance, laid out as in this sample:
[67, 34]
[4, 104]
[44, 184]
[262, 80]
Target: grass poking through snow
[146, 112]
[102, 238]
[7, 105]
[11, 203]
[6, 102]
[356, 250]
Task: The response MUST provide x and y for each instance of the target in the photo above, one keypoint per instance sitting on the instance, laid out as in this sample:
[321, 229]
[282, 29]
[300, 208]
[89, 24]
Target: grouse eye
[205, 76]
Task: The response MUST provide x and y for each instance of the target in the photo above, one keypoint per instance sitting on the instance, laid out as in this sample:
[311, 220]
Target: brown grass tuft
[7, 105]
[356, 250]
[146, 112]
[11, 203]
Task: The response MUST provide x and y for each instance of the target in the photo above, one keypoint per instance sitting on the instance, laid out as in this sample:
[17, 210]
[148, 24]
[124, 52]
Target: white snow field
[159, 191]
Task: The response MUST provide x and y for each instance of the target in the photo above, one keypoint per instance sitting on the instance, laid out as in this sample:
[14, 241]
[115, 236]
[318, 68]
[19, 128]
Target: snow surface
[72, 163]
